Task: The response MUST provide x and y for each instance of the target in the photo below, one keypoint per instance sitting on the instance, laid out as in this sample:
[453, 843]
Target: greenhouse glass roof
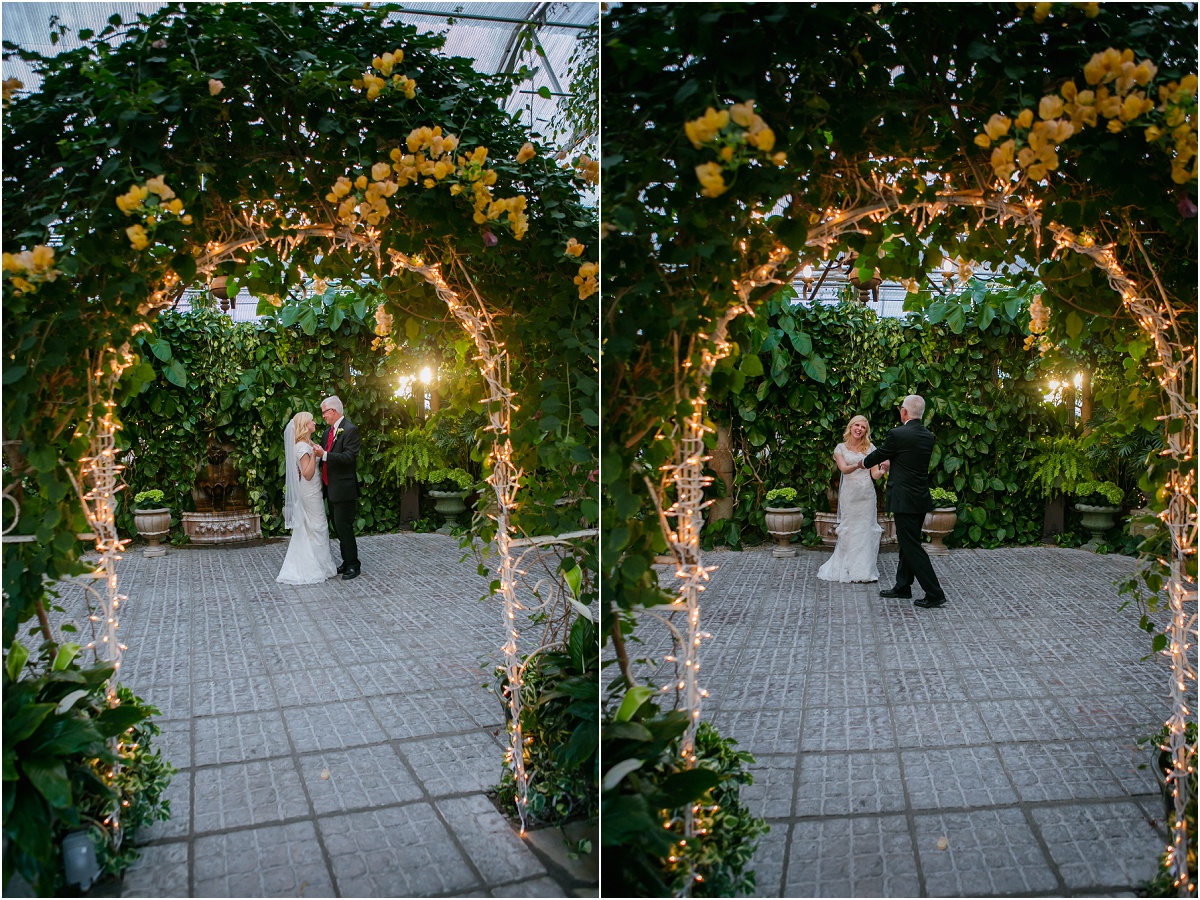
[486, 32]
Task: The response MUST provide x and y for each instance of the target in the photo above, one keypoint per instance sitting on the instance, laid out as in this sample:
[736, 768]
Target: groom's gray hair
[334, 402]
[915, 404]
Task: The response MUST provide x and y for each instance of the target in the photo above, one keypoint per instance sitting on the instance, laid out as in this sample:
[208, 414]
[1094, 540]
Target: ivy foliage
[983, 396]
[851, 93]
[243, 117]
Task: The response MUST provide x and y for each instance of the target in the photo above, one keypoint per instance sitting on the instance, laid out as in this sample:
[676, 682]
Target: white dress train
[856, 555]
[308, 560]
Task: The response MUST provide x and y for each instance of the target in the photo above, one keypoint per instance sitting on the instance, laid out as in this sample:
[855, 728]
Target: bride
[308, 559]
[854, 558]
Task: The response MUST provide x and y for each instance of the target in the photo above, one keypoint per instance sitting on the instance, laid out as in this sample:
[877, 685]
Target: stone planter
[783, 523]
[938, 524]
[826, 523]
[153, 525]
[1097, 520]
[449, 504]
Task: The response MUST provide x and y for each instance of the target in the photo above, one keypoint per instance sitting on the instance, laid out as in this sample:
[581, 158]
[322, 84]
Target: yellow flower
[743, 113]
[1091, 10]
[527, 153]
[361, 182]
[380, 171]
[187, 219]
[574, 248]
[341, 187]
[763, 139]
[1145, 72]
[10, 86]
[1038, 164]
[779, 158]
[1025, 118]
[43, 257]
[24, 286]
[12, 263]
[726, 153]
[1050, 107]
[702, 130]
[1041, 11]
[1002, 160]
[711, 179]
[586, 280]
[997, 126]
[215, 87]
[982, 140]
[1069, 90]
[1116, 125]
[158, 185]
[1135, 104]
[137, 237]
[1153, 134]
[176, 206]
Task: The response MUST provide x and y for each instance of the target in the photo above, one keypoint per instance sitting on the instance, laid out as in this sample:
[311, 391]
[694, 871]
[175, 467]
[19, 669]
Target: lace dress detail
[856, 554]
[308, 560]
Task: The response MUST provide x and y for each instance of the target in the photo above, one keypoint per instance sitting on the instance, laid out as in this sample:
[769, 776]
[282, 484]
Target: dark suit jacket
[909, 448]
[341, 461]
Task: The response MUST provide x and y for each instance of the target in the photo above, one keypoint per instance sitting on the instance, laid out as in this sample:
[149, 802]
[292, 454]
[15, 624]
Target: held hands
[318, 451]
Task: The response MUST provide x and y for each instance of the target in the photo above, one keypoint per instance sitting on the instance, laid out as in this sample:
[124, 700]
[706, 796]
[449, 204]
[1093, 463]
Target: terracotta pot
[153, 525]
[783, 523]
[938, 524]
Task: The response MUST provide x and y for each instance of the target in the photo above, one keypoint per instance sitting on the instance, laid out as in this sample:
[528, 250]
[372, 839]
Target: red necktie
[324, 463]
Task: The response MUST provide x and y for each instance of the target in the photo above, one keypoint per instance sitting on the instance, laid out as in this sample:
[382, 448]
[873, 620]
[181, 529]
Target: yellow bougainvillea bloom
[138, 237]
[1025, 118]
[711, 179]
[1002, 159]
[586, 280]
[215, 87]
[186, 219]
[702, 130]
[1069, 91]
[1050, 107]
[763, 139]
[527, 153]
[10, 86]
[158, 185]
[361, 182]
[997, 126]
[1041, 11]
[42, 257]
[780, 158]
[380, 171]
[574, 248]
[176, 206]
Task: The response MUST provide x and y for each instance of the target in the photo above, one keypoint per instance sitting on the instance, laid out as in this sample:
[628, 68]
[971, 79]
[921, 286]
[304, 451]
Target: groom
[908, 448]
[338, 452]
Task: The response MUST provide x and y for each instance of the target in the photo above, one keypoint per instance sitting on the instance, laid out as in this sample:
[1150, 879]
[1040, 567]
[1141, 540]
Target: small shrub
[449, 480]
[943, 498]
[151, 499]
[784, 497]
[1098, 493]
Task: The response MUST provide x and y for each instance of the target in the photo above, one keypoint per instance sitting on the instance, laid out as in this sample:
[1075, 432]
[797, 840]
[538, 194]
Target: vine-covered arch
[889, 147]
[276, 146]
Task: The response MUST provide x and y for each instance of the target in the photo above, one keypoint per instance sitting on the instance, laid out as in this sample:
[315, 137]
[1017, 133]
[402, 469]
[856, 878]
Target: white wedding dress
[856, 555]
[308, 559]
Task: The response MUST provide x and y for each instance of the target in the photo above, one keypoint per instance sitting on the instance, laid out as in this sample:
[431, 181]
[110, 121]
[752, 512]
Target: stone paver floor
[1004, 723]
[332, 740]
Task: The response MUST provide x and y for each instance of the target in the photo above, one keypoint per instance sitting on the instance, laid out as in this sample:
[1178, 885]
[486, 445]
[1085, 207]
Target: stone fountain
[222, 514]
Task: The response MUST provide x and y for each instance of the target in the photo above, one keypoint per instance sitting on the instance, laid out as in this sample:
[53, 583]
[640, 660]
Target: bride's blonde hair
[299, 421]
[848, 438]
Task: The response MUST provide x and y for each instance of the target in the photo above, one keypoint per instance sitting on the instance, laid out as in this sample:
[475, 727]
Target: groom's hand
[318, 450]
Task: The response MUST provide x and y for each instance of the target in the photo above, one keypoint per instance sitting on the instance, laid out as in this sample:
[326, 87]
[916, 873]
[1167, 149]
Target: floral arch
[897, 147]
[272, 145]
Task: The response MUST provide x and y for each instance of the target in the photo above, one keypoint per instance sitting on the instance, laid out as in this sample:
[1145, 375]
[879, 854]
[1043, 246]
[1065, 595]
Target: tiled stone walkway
[1003, 722]
[333, 740]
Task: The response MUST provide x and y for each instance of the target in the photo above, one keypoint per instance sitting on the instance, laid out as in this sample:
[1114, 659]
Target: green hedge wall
[804, 371]
[204, 376]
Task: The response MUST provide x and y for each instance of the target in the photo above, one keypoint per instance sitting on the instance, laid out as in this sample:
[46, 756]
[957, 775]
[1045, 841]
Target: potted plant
[784, 519]
[941, 521]
[152, 520]
[448, 487]
[1098, 503]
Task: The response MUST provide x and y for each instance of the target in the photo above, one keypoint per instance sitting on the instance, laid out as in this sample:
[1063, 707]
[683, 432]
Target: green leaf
[176, 374]
[18, 655]
[160, 348]
[814, 367]
[632, 702]
[24, 720]
[336, 317]
[617, 773]
[751, 365]
[544, 92]
[684, 787]
[412, 328]
[574, 579]
[63, 657]
[49, 777]
[1074, 324]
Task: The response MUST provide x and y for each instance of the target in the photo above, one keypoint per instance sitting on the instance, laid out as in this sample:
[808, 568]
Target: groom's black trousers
[914, 561]
[343, 515]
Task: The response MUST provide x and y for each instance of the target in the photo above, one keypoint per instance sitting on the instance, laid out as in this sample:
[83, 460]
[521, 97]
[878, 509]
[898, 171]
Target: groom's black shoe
[351, 572]
[930, 602]
[341, 568]
[894, 593]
